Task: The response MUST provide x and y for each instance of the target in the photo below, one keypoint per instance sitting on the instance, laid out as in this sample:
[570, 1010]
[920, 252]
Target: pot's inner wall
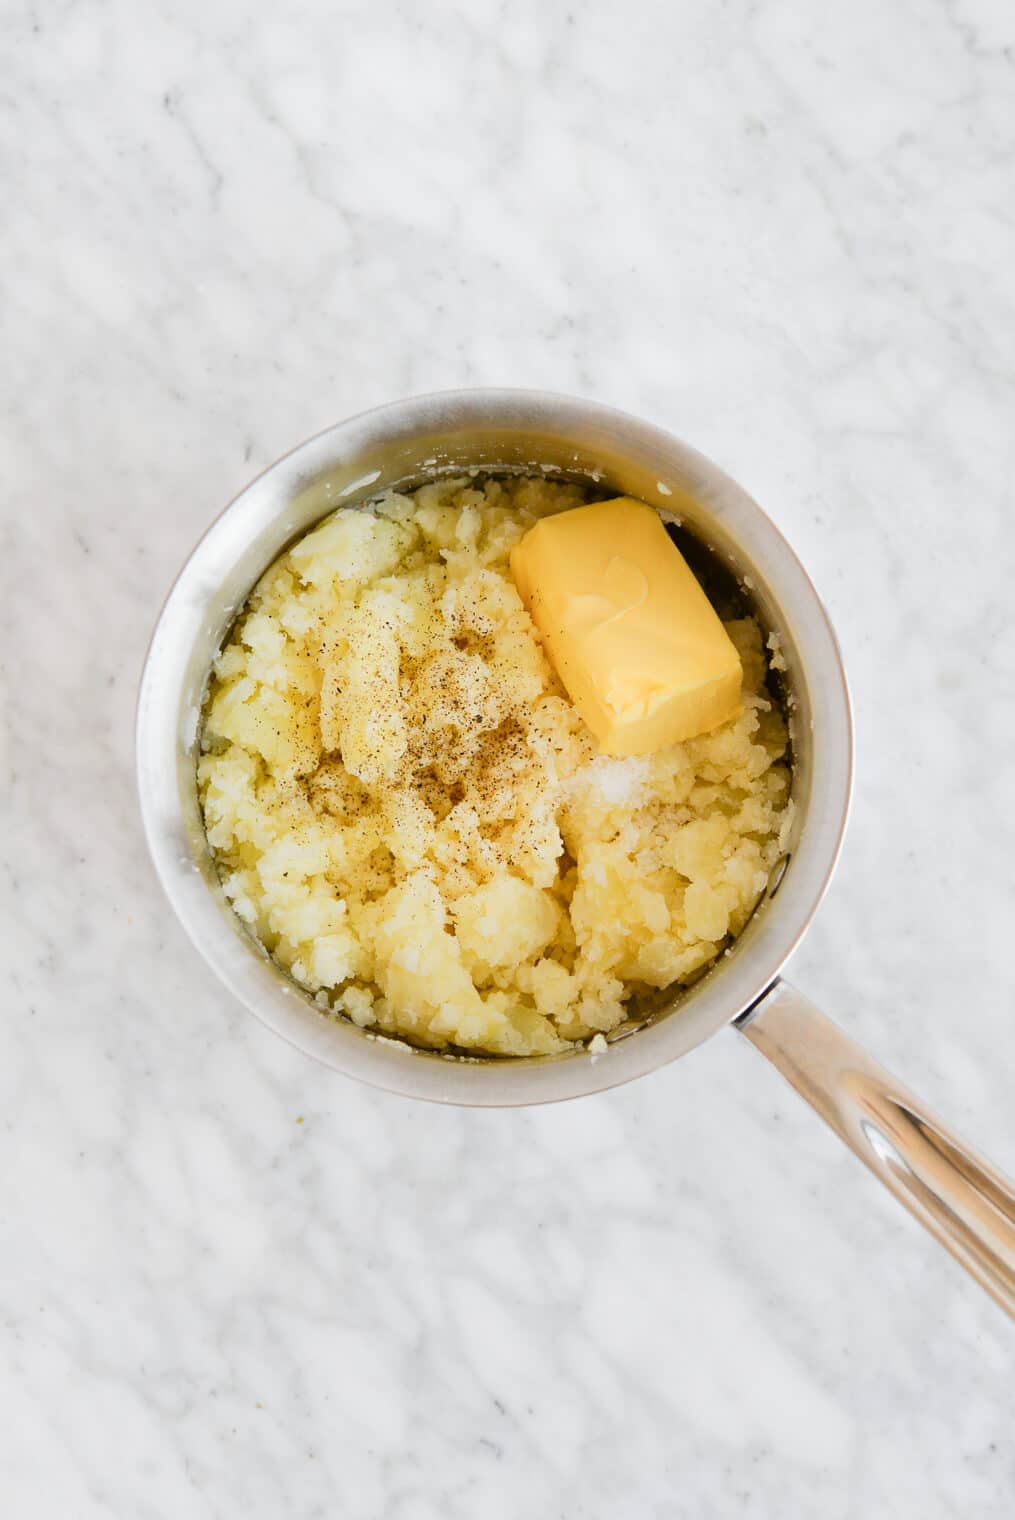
[733, 574]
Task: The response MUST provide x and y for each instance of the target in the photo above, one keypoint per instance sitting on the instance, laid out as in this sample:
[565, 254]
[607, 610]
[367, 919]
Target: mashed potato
[412, 818]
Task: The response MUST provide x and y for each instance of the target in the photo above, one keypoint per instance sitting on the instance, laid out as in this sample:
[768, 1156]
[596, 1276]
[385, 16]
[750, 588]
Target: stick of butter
[633, 637]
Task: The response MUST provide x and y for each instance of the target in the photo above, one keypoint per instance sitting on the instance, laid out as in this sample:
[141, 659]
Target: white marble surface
[783, 230]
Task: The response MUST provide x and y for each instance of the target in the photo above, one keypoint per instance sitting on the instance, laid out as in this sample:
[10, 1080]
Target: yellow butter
[633, 637]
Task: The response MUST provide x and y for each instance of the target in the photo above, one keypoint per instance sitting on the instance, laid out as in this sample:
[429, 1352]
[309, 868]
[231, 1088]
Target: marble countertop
[234, 1283]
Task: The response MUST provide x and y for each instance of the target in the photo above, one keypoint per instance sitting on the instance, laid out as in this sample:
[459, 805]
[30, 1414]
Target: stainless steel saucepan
[955, 1193]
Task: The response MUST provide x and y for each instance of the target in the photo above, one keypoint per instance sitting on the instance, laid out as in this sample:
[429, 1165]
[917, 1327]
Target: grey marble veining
[234, 1284]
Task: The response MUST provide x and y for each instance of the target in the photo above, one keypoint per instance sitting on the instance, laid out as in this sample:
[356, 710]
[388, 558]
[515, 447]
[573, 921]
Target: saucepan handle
[955, 1194]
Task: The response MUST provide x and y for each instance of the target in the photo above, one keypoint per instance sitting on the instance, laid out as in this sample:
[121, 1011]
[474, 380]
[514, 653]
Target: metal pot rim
[435, 430]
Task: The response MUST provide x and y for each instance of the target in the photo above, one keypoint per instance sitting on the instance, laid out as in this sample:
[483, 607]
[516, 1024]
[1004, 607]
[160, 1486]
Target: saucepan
[960, 1198]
